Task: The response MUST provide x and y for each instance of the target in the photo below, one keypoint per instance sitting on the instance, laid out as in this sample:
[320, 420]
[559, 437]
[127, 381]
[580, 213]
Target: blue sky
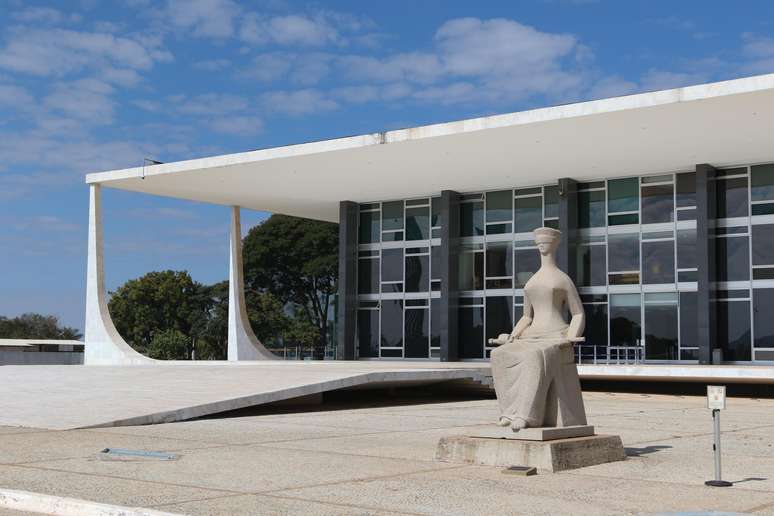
[94, 85]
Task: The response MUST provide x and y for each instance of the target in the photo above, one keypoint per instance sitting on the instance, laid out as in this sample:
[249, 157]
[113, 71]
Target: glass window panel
[417, 332]
[395, 236]
[498, 206]
[499, 229]
[435, 322]
[392, 323]
[417, 202]
[471, 271]
[435, 212]
[762, 182]
[554, 223]
[763, 273]
[435, 261]
[623, 195]
[618, 220]
[498, 259]
[688, 320]
[661, 327]
[731, 197]
[417, 223]
[592, 184]
[685, 188]
[658, 262]
[369, 227]
[625, 320]
[686, 248]
[528, 214]
[551, 201]
[526, 263]
[686, 214]
[392, 353]
[657, 179]
[763, 300]
[596, 327]
[529, 191]
[392, 264]
[763, 209]
[733, 259]
[591, 265]
[591, 209]
[624, 252]
[391, 288]
[763, 244]
[392, 215]
[471, 219]
[368, 333]
[626, 278]
[658, 204]
[368, 276]
[471, 332]
[417, 273]
[733, 330]
[499, 318]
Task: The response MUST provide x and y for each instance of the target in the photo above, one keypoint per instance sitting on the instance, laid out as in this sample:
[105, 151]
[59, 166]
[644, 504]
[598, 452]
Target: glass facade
[634, 255]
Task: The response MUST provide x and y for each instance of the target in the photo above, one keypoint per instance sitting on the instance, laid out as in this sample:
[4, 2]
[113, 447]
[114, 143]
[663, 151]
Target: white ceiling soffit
[724, 123]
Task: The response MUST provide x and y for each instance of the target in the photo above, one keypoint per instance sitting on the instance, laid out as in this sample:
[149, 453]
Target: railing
[592, 354]
[303, 353]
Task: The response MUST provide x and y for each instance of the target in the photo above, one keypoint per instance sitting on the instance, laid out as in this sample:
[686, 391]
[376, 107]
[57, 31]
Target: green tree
[158, 301]
[169, 344]
[296, 260]
[36, 326]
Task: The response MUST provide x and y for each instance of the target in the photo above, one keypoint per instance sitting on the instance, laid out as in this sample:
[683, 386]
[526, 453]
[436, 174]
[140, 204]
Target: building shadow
[647, 450]
[748, 479]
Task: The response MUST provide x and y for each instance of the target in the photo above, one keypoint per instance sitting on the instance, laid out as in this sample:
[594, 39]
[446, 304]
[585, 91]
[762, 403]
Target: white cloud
[44, 15]
[759, 51]
[212, 104]
[238, 125]
[292, 29]
[212, 65]
[87, 100]
[204, 18]
[299, 102]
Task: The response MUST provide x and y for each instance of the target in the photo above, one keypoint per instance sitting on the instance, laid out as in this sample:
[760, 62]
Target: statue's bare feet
[517, 424]
[504, 421]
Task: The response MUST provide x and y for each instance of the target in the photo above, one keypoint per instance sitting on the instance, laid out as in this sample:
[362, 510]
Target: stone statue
[534, 371]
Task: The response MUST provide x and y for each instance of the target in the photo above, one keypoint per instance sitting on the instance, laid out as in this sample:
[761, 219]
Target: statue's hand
[501, 339]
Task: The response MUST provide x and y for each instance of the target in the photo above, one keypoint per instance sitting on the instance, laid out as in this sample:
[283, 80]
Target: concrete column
[103, 344]
[706, 212]
[242, 342]
[450, 243]
[568, 225]
[346, 316]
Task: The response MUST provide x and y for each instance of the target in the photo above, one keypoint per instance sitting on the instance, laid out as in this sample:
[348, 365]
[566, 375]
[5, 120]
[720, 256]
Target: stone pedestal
[546, 455]
[546, 433]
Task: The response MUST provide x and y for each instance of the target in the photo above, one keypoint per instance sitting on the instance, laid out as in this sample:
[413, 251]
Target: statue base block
[550, 455]
[546, 433]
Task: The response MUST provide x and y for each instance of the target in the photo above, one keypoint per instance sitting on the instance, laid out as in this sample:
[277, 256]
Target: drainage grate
[141, 454]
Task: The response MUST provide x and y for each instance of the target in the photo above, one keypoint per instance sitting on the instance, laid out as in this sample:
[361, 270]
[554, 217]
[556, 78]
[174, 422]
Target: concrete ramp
[68, 397]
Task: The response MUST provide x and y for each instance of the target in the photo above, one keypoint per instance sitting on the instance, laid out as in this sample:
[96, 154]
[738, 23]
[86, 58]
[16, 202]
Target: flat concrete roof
[22, 343]
[723, 123]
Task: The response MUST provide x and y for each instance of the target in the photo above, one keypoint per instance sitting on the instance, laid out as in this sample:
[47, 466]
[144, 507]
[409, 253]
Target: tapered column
[449, 274]
[346, 315]
[103, 344]
[568, 225]
[705, 261]
[242, 342]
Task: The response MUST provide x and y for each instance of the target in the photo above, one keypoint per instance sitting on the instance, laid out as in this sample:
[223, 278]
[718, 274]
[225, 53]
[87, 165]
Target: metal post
[716, 447]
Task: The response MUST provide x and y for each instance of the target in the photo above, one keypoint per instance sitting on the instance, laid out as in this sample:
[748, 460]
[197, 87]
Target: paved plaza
[367, 456]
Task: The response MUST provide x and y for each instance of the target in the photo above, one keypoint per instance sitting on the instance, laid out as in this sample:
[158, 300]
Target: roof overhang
[723, 123]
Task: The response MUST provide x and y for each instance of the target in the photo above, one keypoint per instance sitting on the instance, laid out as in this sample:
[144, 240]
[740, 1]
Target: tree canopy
[36, 326]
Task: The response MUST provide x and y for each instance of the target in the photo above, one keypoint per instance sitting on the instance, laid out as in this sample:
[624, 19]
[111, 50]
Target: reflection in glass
[688, 320]
[435, 212]
[392, 215]
[417, 223]
[392, 264]
[623, 195]
[733, 259]
[392, 323]
[471, 332]
[763, 301]
[435, 261]
[528, 214]
[435, 322]
[658, 262]
[624, 252]
[685, 189]
[551, 201]
[471, 271]
[731, 197]
[657, 204]
[498, 206]
[686, 248]
[733, 330]
[417, 273]
[526, 263]
[471, 219]
[591, 209]
[498, 259]
[762, 182]
[763, 244]
[369, 227]
[591, 265]
[596, 326]
[417, 328]
[661, 326]
[368, 276]
[625, 320]
[368, 333]
[498, 316]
